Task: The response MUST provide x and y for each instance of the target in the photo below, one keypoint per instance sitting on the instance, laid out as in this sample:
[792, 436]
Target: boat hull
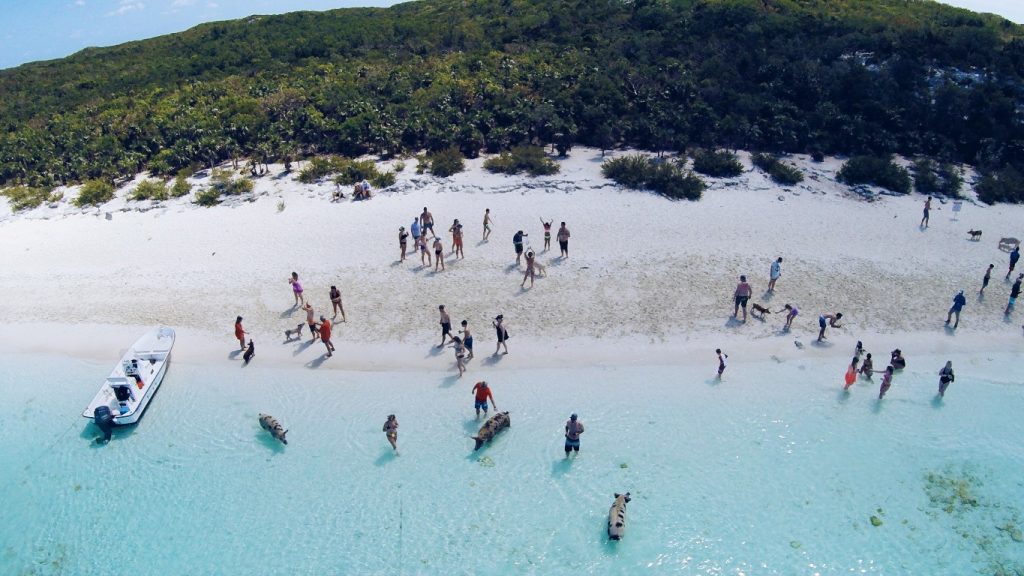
[135, 378]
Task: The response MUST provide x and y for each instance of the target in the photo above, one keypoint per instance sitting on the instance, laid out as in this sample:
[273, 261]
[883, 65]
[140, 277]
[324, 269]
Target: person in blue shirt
[1014, 256]
[958, 305]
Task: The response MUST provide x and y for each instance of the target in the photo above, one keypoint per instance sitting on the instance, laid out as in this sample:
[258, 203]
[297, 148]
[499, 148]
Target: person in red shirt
[325, 335]
[240, 332]
[482, 392]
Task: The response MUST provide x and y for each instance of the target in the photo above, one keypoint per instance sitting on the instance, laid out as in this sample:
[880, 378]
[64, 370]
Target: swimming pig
[617, 517]
[269, 423]
[490, 429]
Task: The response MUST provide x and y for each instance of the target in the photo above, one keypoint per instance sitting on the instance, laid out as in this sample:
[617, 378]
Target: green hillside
[835, 76]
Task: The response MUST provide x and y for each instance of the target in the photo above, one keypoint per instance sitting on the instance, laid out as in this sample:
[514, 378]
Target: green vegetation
[94, 193]
[717, 164]
[875, 170]
[208, 197]
[853, 77]
[346, 170]
[1006, 185]
[181, 187]
[778, 171]
[445, 162]
[529, 159]
[27, 197]
[222, 182]
[150, 190]
[663, 176]
[941, 179]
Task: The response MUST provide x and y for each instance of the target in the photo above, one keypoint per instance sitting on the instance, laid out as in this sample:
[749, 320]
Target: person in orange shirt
[482, 393]
[240, 333]
[325, 335]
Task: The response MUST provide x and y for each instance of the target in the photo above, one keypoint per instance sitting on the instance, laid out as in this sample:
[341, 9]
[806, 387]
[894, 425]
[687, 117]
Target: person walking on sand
[325, 335]
[487, 224]
[336, 302]
[421, 244]
[886, 382]
[427, 222]
[547, 233]
[481, 394]
[985, 279]
[946, 377]
[791, 313]
[573, 429]
[958, 304]
[446, 326]
[1014, 293]
[467, 339]
[517, 243]
[1014, 256]
[403, 238]
[742, 294]
[460, 355]
[391, 431]
[867, 367]
[438, 254]
[310, 320]
[851, 374]
[296, 289]
[563, 240]
[240, 333]
[456, 231]
[721, 361]
[774, 273]
[927, 209]
[502, 333]
[414, 229]
[825, 320]
[529, 269]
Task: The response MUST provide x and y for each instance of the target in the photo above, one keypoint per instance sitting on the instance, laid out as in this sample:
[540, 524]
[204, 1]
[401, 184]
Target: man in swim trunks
[827, 320]
[482, 393]
[517, 242]
[310, 320]
[487, 223]
[467, 339]
[563, 240]
[427, 222]
[1014, 293]
[742, 294]
[446, 326]
[927, 209]
[573, 429]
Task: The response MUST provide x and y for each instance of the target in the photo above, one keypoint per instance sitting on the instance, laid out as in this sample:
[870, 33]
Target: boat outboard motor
[104, 421]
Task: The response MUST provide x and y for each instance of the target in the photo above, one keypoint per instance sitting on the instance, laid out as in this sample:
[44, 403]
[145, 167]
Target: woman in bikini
[391, 431]
[438, 253]
[336, 303]
[547, 233]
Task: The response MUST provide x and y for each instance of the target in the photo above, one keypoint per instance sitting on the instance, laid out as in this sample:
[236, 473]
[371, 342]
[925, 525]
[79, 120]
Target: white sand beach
[648, 279]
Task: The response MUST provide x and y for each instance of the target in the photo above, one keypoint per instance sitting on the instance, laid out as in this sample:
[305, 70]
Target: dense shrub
[223, 183]
[777, 170]
[930, 178]
[318, 167]
[26, 197]
[446, 162]
[718, 164]
[664, 177]
[875, 170]
[529, 159]
[383, 180]
[1006, 185]
[94, 192]
[181, 186]
[346, 170]
[150, 190]
[208, 197]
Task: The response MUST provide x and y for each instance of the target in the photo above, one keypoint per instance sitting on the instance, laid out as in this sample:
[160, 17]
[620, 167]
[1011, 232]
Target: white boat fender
[617, 517]
[490, 429]
[270, 424]
[104, 420]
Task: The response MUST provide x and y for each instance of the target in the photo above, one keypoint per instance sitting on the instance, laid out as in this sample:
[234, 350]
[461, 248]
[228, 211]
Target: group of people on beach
[463, 343]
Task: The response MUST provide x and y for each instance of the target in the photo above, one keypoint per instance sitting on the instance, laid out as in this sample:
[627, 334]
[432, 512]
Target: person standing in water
[721, 361]
[573, 429]
[774, 273]
[958, 304]
[1014, 256]
[481, 394]
[502, 333]
[467, 339]
[828, 320]
[791, 313]
[547, 233]
[563, 240]
[487, 224]
[927, 209]
[867, 368]
[946, 377]
[886, 382]
[446, 326]
[851, 374]
[1014, 293]
[741, 295]
[985, 279]
[391, 431]
[296, 289]
[336, 302]
[460, 355]
[240, 333]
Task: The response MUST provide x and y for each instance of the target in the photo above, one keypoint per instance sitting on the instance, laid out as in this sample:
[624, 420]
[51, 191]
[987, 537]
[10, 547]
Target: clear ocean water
[772, 471]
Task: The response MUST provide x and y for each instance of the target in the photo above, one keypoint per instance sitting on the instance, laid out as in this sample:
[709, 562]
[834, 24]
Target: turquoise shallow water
[773, 471]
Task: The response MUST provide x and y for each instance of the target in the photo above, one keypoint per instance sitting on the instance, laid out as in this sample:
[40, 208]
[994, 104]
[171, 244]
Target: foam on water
[772, 471]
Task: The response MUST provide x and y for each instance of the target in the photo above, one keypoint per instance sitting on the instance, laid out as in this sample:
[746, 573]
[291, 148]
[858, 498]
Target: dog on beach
[617, 517]
[1008, 244]
[249, 352]
[758, 311]
[297, 332]
[270, 424]
[541, 269]
[975, 235]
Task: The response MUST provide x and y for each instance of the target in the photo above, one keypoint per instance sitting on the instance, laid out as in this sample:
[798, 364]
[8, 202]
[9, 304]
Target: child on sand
[790, 315]
[828, 320]
[391, 431]
[240, 333]
[886, 382]
[721, 361]
[851, 374]
[296, 289]
[946, 376]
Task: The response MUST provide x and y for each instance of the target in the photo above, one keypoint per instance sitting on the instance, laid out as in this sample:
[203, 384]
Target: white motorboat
[131, 385]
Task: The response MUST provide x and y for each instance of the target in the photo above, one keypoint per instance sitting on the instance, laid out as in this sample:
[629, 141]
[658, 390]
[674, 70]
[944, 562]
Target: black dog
[975, 235]
[249, 352]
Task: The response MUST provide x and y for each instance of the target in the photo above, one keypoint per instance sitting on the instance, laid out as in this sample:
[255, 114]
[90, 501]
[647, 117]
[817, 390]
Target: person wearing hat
[403, 237]
[499, 328]
[240, 332]
[481, 394]
[573, 429]
[958, 305]
[325, 335]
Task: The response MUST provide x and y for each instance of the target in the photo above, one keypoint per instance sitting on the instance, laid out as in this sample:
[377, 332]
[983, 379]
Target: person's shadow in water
[561, 467]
